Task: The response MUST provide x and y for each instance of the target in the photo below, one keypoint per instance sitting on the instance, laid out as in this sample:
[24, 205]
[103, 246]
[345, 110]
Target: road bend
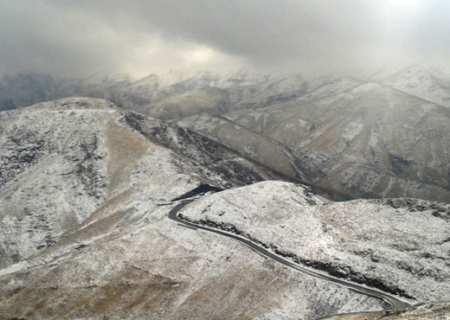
[395, 304]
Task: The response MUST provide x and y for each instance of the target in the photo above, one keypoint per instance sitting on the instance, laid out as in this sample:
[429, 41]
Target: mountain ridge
[85, 193]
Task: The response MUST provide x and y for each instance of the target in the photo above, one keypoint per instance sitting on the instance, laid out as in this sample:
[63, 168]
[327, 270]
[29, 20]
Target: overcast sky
[81, 37]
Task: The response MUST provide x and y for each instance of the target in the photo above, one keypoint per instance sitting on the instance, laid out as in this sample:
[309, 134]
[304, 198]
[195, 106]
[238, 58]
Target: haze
[137, 37]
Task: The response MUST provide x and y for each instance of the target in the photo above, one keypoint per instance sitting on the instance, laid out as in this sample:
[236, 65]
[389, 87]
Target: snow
[84, 194]
[111, 241]
[13, 268]
[425, 82]
[403, 243]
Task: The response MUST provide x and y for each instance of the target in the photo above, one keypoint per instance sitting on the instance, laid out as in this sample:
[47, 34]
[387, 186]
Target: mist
[137, 37]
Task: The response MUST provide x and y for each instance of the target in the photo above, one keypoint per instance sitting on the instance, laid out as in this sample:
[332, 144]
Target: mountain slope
[368, 141]
[349, 135]
[428, 311]
[397, 245]
[427, 83]
[211, 100]
[273, 91]
[61, 161]
[84, 196]
[248, 143]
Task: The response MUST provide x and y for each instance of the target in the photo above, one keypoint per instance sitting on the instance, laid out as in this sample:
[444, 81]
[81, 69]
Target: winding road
[395, 303]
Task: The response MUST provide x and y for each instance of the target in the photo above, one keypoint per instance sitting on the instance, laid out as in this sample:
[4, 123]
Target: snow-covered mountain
[368, 140]
[193, 102]
[243, 88]
[432, 84]
[374, 135]
[61, 161]
[26, 88]
[85, 193]
[398, 245]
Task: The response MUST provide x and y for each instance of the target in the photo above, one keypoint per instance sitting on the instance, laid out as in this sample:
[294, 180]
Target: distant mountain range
[384, 134]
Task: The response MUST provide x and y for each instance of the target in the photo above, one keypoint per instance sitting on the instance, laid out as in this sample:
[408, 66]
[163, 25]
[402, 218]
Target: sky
[138, 37]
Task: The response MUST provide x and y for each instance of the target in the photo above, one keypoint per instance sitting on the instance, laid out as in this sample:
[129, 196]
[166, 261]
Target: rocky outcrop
[206, 153]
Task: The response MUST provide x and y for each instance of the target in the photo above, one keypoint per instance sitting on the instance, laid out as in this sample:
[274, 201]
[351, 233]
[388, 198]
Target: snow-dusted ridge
[85, 189]
[399, 245]
[369, 135]
[314, 268]
[367, 140]
[61, 161]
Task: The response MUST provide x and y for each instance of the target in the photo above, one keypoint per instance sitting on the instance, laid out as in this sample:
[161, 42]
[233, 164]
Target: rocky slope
[431, 84]
[248, 143]
[400, 246]
[210, 100]
[85, 190]
[429, 311]
[371, 135]
[60, 161]
[367, 141]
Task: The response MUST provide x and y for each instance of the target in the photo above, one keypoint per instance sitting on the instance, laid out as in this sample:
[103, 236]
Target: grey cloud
[77, 37]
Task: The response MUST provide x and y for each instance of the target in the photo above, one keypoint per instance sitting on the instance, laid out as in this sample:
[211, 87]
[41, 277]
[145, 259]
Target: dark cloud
[81, 37]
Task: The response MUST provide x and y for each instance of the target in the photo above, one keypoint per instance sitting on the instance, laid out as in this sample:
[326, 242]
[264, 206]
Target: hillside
[431, 84]
[397, 245]
[367, 141]
[372, 135]
[61, 161]
[85, 193]
[86, 190]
